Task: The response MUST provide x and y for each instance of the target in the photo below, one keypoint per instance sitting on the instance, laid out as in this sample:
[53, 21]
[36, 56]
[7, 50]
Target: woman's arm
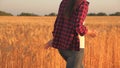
[81, 15]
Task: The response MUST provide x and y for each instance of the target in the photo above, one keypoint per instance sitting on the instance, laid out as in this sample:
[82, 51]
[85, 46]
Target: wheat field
[22, 41]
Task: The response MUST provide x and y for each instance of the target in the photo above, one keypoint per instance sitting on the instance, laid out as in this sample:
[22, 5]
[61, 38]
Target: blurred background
[27, 25]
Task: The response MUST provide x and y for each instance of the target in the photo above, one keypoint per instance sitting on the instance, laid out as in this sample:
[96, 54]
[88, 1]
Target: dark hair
[69, 8]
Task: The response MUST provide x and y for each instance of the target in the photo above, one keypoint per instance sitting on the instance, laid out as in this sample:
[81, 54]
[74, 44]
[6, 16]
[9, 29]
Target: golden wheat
[22, 42]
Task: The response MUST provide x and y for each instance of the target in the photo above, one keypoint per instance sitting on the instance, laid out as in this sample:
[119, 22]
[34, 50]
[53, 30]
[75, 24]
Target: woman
[67, 27]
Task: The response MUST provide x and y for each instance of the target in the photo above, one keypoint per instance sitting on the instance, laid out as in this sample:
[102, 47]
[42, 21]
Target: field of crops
[22, 41]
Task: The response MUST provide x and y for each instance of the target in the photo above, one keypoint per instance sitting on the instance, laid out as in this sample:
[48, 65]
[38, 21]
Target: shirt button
[77, 20]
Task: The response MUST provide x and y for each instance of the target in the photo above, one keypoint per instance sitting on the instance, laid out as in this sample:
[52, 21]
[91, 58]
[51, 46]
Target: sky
[42, 7]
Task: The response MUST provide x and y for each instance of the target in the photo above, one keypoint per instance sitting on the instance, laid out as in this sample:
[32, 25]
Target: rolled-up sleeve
[81, 15]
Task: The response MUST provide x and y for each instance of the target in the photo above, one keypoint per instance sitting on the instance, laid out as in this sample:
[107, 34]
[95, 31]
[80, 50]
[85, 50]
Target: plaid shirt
[65, 33]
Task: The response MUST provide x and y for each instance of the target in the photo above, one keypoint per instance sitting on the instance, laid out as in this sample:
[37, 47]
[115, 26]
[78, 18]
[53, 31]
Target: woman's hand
[92, 33]
[48, 44]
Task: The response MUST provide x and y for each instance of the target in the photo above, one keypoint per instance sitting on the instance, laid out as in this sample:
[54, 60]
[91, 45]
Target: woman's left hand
[92, 33]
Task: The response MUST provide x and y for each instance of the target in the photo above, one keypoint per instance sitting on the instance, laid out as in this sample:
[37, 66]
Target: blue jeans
[73, 58]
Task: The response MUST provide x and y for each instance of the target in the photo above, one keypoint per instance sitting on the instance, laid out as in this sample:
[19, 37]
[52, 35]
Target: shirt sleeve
[81, 15]
[57, 17]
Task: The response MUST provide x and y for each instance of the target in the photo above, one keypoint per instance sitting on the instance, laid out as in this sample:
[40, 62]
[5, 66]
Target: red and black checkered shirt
[65, 33]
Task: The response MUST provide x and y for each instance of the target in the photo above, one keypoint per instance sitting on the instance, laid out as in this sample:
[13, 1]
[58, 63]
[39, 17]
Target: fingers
[48, 45]
[92, 33]
[95, 32]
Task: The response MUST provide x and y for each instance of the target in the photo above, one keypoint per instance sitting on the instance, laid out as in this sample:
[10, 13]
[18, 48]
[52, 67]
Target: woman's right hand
[48, 44]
